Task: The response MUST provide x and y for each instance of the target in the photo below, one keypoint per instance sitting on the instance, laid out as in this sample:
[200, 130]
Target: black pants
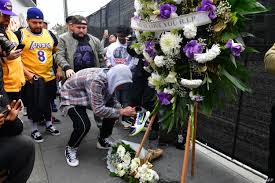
[14, 95]
[271, 160]
[33, 111]
[17, 156]
[82, 125]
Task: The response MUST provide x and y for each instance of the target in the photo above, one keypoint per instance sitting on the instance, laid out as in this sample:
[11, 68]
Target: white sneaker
[71, 156]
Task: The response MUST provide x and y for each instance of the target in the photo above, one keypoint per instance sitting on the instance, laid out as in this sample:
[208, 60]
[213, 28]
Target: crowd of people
[109, 80]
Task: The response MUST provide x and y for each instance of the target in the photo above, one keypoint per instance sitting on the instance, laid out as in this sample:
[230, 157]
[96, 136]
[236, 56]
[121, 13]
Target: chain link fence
[241, 130]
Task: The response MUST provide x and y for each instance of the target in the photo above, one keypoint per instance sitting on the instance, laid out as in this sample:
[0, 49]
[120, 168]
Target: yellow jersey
[37, 54]
[13, 73]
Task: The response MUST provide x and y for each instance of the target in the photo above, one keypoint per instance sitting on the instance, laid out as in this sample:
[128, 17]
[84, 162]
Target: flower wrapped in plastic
[121, 162]
[193, 46]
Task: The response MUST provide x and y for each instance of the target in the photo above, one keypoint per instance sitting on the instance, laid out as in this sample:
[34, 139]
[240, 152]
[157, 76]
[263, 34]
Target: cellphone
[5, 112]
[20, 47]
[106, 31]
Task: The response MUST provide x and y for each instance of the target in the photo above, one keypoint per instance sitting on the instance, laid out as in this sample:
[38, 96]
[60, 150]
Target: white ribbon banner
[198, 18]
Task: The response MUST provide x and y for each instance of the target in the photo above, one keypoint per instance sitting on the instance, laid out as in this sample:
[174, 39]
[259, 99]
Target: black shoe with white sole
[52, 130]
[37, 137]
[103, 143]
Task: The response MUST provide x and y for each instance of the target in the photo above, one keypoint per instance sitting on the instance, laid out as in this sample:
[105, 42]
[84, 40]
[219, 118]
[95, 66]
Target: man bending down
[93, 88]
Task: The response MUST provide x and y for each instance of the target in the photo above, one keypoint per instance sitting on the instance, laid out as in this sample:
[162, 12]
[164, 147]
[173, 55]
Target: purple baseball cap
[6, 7]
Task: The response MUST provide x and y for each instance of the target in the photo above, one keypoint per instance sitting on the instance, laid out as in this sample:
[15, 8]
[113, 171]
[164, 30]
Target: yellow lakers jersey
[13, 73]
[37, 54]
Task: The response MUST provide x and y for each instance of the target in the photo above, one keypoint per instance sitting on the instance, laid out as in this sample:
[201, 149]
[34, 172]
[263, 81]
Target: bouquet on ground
[121, 162]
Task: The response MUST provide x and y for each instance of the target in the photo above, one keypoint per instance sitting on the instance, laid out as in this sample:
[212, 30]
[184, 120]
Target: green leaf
[233, 60]
[238, 83]
[246, 7]
[112, 174]
[251, 50]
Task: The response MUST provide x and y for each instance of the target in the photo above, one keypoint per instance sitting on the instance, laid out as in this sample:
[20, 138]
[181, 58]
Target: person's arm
[98, 106]
[61, 60]
[109, 57]
[269, 60]
[100, 53]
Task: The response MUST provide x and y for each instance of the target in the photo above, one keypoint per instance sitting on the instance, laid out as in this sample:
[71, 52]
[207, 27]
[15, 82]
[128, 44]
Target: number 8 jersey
[37, 54]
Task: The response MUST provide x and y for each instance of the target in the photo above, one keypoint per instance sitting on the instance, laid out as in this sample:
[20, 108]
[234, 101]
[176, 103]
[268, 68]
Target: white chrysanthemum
[190, 30]
[147, 56]
[169, 91]
[138, 6]
[134, 164]
[121, 151]
[177, 1]
[170, 43]
[121, 173]
[159, 61]
[191, 83]
[155, 80]
[209, 55]
[171, 78]
[126, 160]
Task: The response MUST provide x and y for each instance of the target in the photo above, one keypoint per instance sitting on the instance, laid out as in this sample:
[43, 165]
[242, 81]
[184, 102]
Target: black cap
[69, 19]
[78, 19]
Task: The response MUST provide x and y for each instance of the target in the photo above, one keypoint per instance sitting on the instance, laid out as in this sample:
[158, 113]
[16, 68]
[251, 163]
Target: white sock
[48, 123]
[34, 126]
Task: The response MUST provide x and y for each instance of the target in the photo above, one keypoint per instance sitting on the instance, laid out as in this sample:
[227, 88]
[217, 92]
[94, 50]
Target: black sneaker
[37, 137]
[52, 130]
[270, 180]
[103, 143]
[71, 156]
[180, 142]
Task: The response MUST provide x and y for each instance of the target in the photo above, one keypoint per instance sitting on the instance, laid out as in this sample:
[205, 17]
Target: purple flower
[164, 98]
[235, 48]
[166, 10]
[207, 5]
[191, 48]
[150, 48]
[145, 63]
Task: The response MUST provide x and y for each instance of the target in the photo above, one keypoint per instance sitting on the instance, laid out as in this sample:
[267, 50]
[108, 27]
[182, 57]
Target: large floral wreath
[192, 49]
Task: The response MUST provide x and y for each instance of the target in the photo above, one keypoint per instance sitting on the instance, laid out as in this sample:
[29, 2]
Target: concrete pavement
[51, 167]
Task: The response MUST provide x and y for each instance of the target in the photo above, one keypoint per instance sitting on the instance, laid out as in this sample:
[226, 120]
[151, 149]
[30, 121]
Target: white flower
[147, 56]
[174, 15]
[209, 55]
[169, 91]
[159, 61]
[126, 160]
[191, 83]
[121, 173]
[177, 1]
[190, 30]
[171, 78]
[134, 164]
[170, 43]
[121, 151]
[138, 6]
[155, 80]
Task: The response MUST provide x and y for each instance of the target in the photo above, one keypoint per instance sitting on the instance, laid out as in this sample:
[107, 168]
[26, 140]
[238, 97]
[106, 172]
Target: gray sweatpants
[17, 154]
